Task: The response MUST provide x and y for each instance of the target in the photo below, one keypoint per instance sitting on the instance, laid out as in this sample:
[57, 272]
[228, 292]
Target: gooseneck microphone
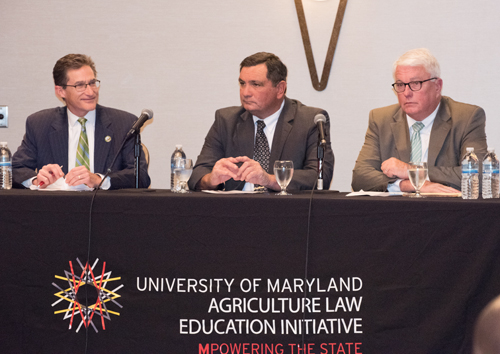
[146, 114]
[320, 120]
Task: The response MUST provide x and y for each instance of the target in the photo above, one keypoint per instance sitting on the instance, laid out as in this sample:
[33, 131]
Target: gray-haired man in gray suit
[442, 127]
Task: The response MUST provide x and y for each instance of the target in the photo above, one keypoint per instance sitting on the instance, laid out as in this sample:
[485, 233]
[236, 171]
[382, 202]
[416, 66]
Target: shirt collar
[427, 120]
[73, 119]
[273, 118]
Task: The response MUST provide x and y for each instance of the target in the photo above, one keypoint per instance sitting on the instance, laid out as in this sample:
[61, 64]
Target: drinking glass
[283, 171]
[182, 171]
[417, 172]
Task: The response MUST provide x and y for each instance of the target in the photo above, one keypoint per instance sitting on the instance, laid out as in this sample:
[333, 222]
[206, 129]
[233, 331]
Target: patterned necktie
[416, 142]
[82, 152]
[261, 152]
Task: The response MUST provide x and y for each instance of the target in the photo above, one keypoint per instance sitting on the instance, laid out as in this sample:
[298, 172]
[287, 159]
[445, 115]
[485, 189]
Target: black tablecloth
[385, 275]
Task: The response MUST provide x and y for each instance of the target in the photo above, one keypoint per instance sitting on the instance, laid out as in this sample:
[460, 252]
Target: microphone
[320, 120]
[146, 114]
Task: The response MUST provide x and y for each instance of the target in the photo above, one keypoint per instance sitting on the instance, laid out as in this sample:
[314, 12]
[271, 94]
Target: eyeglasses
[82, 87]
[413, 85]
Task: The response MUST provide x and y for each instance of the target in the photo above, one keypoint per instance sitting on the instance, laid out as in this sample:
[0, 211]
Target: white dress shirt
[269, 130]
[74, 130]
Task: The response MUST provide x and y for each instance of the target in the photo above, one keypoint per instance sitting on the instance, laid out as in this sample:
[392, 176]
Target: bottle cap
[178, 146]
[470, 149]
[3, 143]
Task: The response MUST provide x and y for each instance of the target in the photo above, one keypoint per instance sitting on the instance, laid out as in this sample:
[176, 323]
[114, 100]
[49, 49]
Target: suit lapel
[244, 135]
[440, 130]
[283, 128]
[401, 135]
[58, 138]
[101, 147]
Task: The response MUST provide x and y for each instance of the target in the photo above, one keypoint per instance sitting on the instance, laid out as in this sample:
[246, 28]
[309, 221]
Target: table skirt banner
[167, 273]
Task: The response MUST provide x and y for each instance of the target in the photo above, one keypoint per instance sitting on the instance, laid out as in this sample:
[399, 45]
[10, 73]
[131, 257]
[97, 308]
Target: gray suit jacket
[295, 138]
[46, 142]
[456, 127]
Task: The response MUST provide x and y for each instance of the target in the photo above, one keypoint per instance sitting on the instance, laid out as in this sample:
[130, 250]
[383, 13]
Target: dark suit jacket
[295, 138]
[46, 142]
[456, 127]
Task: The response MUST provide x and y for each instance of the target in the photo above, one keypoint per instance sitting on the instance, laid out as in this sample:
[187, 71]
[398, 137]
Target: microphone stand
[321, 154]
[136, 129]
[108, 171]
[137, 155]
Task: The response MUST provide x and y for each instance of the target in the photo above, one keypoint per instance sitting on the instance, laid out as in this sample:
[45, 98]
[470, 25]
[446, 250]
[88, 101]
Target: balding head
[487, 329]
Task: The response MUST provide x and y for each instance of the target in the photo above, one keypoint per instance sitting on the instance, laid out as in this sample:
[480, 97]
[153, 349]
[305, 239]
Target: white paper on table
[230, 192]
[61, 185]
[374, 194]
[452, 195]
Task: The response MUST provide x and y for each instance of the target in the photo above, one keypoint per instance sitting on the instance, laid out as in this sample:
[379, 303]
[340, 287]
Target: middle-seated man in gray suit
[267, 127]
[441, 129]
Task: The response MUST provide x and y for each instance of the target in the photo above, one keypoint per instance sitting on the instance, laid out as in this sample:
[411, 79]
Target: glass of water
[183, 169]
[417, 172]
[283, 171]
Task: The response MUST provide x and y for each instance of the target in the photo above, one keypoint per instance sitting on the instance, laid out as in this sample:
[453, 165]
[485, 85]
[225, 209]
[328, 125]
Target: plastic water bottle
[177, 153]
[491, 178]
[470, 175]
[5, 166]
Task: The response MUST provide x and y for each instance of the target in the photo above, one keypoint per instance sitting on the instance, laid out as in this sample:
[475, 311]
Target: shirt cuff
[394, 187]
[248, 186]
[29, 182]
[107, 182]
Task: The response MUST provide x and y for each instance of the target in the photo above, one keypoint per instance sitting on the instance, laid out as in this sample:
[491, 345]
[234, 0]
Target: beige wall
[180, 58]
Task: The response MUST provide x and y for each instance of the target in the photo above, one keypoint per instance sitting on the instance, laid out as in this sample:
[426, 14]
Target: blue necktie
[416, 142]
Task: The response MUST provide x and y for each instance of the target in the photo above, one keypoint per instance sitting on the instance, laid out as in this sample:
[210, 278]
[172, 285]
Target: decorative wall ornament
[320, 85]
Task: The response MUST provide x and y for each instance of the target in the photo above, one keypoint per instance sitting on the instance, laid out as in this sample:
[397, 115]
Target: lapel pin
[107, 138]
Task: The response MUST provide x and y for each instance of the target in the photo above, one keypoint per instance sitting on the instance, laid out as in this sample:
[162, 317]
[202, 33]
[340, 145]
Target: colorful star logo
[78, 297]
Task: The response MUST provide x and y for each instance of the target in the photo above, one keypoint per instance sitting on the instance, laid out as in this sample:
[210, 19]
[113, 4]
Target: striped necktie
[416, 142]
[82, 152]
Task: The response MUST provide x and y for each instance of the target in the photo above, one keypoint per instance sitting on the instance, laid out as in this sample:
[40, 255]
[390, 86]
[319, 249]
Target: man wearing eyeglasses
[424, 127]
[78, 141]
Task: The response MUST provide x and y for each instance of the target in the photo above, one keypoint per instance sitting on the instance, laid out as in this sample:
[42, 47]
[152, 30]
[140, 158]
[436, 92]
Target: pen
[42, 182]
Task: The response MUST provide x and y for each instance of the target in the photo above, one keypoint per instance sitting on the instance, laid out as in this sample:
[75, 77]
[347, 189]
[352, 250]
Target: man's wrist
[205, 183]
[406, 186]
[273, 184]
